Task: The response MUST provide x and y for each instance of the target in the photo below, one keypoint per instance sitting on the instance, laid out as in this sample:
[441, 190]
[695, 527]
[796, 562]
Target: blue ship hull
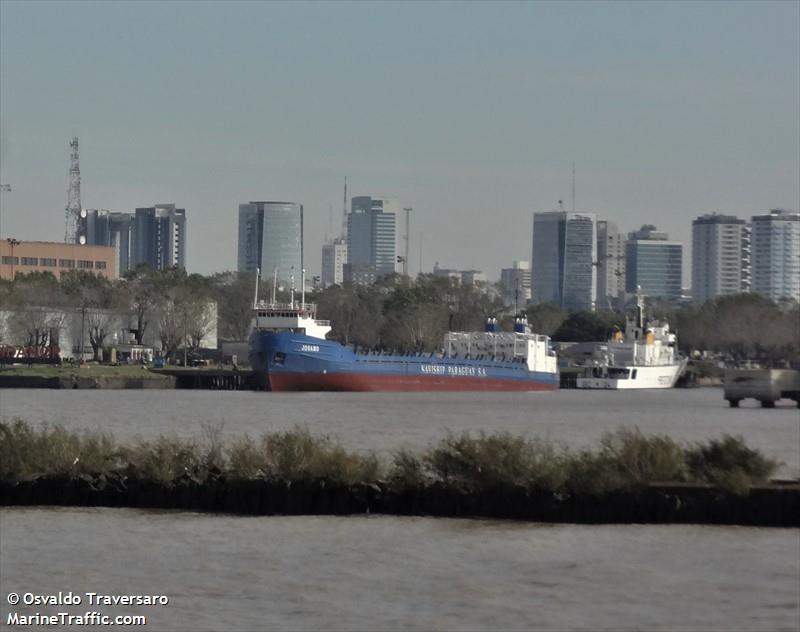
[288, 361]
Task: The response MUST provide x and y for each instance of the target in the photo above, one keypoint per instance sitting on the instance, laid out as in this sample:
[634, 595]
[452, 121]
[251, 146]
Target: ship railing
[286, 306]
[304, 309]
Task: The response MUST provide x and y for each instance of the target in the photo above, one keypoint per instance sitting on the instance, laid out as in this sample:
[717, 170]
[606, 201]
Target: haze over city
[472, 114]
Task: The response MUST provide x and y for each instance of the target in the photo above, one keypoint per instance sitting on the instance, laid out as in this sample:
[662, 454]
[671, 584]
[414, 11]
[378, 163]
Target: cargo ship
[289, 352]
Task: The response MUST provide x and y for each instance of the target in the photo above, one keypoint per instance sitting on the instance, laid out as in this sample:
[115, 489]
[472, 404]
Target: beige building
[22, 257]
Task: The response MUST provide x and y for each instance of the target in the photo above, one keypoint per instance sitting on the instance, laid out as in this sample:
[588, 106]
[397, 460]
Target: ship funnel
[521, 325]
[491, 325]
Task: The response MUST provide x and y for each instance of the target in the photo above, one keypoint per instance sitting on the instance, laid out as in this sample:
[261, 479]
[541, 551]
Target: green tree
[37, 303]
[140, 292]
[588, 327]
[234, 293]
[546, 318]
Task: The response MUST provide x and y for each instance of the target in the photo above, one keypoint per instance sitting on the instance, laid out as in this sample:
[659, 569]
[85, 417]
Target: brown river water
[303, 573]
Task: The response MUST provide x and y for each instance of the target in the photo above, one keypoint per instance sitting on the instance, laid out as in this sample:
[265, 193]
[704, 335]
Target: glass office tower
[271, 238]
[563, 257]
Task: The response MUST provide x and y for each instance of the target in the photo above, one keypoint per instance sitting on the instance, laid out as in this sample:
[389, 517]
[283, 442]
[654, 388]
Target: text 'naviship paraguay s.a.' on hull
[288, 350]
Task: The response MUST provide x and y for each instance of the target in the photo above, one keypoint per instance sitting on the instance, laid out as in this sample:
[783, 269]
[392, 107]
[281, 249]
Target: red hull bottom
[345, 382]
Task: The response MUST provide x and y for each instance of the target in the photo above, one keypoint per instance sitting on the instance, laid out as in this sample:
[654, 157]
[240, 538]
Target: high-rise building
[371, 239]
[516, 283]
[720, 256]
[460, 277]
[159, 237]
[334, 257]
[563, 257]
[654, 264]
[271, 238]
[472, 277]
[610, 265]
[775, 246]
[251, 237]
[106, 228]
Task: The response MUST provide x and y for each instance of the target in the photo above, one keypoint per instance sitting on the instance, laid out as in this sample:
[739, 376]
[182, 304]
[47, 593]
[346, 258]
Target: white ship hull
[631, 377]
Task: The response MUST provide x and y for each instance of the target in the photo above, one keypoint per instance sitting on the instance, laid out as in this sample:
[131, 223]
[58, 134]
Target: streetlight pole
[408, 240]
[83, 327]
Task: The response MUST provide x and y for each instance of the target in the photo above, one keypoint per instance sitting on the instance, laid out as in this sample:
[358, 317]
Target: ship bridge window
[633, 375]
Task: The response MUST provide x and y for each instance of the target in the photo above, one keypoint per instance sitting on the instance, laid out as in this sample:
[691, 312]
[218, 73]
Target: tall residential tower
[720, 256]
[371, 239]
[776, 254]
[159, 237]
[334, 258]
[516, 284]
[106, 228]
[610, 265]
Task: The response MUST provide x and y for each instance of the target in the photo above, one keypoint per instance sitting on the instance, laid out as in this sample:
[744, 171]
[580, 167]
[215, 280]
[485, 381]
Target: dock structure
[765, 385]
[211, 379]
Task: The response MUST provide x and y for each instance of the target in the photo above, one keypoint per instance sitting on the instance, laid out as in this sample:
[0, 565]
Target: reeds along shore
[627, 477]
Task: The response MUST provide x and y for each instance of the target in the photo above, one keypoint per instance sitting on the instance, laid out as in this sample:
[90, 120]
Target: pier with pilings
[216, 379]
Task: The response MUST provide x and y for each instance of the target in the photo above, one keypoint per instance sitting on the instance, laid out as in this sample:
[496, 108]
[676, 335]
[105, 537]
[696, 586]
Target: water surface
[388, 573]
[388, 421]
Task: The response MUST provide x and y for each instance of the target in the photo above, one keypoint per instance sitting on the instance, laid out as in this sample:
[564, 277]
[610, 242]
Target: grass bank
[85, 376]
[627, 477]
[89, 369]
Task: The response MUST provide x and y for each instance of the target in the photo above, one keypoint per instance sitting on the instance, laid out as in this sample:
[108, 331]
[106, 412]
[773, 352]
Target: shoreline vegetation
[628, 477]
[89, 375]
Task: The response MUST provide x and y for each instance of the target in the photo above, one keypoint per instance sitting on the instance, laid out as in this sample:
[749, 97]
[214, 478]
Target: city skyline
[663, 125]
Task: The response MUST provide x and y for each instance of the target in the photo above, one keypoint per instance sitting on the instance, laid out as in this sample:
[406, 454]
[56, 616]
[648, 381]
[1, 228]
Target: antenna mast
[72, 232]
[420, 252]
[344, 211]
[406, 265]
[573, 187]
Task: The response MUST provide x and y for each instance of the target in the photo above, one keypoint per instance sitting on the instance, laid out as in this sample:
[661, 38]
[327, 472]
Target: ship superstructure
[645, 356]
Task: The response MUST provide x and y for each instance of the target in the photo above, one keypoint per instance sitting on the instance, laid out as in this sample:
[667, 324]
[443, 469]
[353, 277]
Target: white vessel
[646, 356]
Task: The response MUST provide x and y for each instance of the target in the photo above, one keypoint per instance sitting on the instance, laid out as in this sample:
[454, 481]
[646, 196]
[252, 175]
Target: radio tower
[73, 212]
[344, 212]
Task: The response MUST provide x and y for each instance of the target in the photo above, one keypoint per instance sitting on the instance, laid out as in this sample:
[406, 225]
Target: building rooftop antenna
[406, 265]
[573, 187]
[344, 211]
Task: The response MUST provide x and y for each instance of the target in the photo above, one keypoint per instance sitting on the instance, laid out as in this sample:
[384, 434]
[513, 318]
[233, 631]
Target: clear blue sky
[471, 113]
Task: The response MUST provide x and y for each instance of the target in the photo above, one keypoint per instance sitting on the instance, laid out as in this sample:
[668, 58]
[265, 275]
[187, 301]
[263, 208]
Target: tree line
[36, 306]
[394, 313]
[740, 327]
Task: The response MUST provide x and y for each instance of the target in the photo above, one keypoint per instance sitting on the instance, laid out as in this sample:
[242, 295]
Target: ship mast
[255, 296]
